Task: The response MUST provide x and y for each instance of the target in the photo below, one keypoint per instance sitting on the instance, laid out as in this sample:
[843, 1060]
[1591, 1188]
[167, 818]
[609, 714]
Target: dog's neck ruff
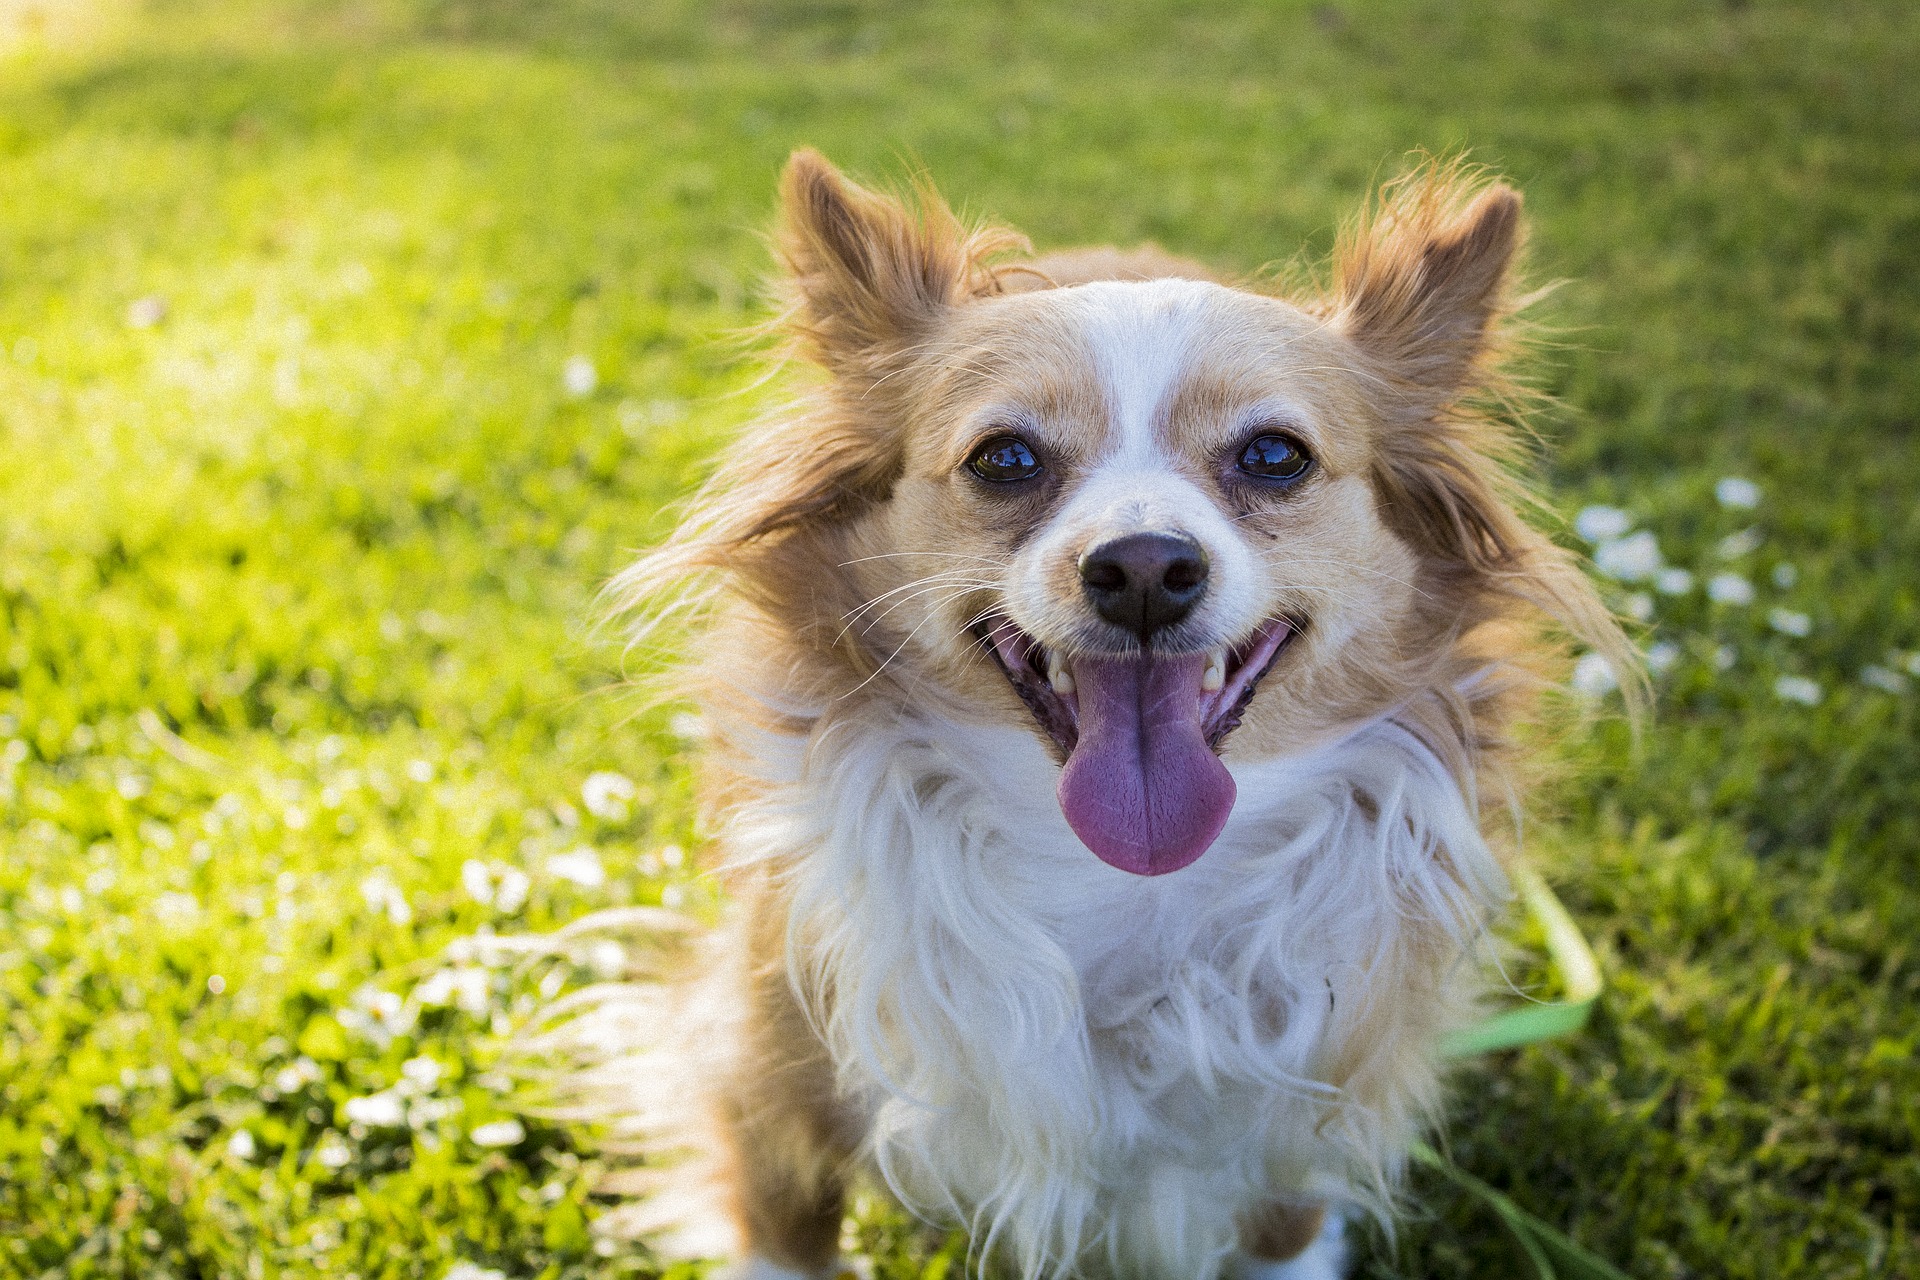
[1069, 1059]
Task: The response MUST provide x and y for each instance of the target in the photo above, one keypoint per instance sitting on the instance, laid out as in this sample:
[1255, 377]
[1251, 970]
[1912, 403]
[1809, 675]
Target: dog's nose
[1145, 581]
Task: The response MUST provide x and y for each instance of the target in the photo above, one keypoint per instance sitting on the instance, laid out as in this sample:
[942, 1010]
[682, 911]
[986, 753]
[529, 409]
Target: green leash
[1542, 1020]
[1554, 1254]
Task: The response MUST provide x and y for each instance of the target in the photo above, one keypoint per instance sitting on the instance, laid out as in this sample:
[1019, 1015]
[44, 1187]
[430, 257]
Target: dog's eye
[1273, 457]
[1004, 458]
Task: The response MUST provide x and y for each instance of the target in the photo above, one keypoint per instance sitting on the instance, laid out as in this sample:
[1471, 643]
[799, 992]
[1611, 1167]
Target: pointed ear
[867, 272]
[1422, 285]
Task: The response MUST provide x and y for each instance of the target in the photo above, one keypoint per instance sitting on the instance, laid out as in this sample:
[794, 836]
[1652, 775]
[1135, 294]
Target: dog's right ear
[868, 273]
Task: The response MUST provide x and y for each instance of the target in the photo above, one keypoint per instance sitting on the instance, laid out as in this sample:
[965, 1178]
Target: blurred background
[346, 349]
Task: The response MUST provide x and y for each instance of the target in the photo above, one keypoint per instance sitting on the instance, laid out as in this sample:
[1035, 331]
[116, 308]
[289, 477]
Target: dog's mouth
[1143, 785]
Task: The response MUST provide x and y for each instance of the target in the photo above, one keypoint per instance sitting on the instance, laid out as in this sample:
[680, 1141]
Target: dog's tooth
[1215, 677]
[1058, 676]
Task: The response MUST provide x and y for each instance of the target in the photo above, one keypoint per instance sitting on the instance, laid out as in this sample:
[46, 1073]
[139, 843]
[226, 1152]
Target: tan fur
[921, 324]
[787, 1143]
[1067, 267]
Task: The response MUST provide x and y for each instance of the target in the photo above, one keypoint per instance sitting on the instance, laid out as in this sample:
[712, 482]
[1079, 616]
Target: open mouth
[1143, 785]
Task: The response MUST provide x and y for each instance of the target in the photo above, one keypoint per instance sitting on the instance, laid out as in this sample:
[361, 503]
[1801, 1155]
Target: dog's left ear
[1422, 285]
[869, 273]
[1421, 288]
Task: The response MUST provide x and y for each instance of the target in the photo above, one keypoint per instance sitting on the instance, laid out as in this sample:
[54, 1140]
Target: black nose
[1145, 581]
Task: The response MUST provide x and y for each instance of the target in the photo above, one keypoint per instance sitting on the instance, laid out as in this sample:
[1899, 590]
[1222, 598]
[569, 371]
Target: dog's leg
[1291, 1242]
[786, 1140]
[785, 1172]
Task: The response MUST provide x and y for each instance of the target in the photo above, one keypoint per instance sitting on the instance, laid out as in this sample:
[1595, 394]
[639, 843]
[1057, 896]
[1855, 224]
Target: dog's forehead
[1140, 338]
[1144, 357]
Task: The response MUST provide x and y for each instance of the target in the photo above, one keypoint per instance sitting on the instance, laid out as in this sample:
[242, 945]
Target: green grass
[297, 583]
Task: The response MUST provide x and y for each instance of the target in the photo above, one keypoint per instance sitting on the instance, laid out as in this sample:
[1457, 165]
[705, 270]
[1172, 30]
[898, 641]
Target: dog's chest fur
[1073, 1060]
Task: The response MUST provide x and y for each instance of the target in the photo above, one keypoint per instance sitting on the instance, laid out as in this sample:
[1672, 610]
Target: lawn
[346, 349]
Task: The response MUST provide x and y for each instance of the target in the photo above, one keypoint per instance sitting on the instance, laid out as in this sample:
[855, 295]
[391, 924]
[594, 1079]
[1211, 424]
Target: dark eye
[1272, 457]
[1004, 458]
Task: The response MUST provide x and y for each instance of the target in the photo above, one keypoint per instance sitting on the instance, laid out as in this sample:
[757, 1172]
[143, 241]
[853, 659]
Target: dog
[1103, 666]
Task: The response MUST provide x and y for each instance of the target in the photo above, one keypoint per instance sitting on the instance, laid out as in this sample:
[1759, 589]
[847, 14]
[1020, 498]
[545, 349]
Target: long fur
[923, 978]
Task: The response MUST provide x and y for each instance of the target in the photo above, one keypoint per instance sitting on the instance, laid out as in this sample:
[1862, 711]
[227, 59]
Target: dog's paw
[1324, 1259]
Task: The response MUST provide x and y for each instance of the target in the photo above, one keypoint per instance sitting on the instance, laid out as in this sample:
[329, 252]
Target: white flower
[672, 855]
[431, 1111]
[1724, 657]
[1797, 689]
[1633, 558]
[1673, 582]
[579, 376]
[144, 313]
[1735, 545]
[478, 881]
[471, 990]
[241, 1145]
[382, 894]
[514, 885]
[420, 770]
[469, 1271]
[502, 888]
[1785, 575]
[1601, 524]
[607, 795]
[1639, 606]
[467, 987]
[422, 1073]
[302, 1072]
[384, 1005]
[333, 1151]
[1732, 491]
[499, 1133]
[1789, 623]
[176, 907]
[1729, 588]
[673, 897]
[1885, 679]
[687, 727]
[1661, 655]
[581, 866]
[381, 1110]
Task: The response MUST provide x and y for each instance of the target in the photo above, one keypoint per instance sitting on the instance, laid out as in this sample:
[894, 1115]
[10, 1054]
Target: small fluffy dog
[1102, 664]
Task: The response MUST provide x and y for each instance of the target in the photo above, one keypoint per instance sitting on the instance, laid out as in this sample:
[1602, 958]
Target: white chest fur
[1076, 1061]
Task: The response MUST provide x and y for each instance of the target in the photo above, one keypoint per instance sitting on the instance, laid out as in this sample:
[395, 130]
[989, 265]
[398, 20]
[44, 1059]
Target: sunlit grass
[346, 350]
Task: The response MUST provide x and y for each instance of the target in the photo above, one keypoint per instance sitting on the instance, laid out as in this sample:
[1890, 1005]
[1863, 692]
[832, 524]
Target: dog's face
[1150, 505]
[1165, 525]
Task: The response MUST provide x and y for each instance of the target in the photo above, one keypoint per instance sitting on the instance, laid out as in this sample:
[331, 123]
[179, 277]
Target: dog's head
[1165, 524]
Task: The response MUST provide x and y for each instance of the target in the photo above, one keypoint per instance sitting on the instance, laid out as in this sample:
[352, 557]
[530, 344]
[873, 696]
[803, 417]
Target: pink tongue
[1142, 789]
